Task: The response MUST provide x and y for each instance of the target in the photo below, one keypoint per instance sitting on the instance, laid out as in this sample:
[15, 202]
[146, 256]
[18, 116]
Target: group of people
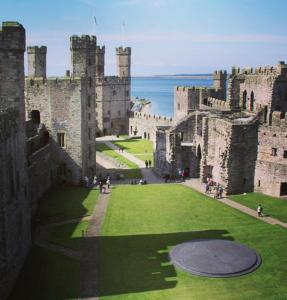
[98, 181]
[141, 181]
[121, 149]
[212, 186]
[148, 163]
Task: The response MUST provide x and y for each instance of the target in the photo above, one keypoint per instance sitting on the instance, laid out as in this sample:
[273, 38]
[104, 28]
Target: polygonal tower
[100, 61]
[219, 81]
[37, 61]
[124, 61]
[83, 55]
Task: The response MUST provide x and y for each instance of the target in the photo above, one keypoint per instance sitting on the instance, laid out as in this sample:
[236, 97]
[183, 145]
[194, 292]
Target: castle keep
[238, 138]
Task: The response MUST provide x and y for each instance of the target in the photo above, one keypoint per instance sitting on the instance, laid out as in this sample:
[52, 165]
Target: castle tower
[100, 61]
[37, 61]
[219, 81]
[124, 61]
[14, 203]
[83, 55]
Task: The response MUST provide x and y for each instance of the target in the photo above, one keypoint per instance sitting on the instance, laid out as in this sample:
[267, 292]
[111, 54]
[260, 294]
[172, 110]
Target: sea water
[160, 90]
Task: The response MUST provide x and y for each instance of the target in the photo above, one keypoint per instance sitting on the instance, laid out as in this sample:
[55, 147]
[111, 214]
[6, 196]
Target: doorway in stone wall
[283, 189]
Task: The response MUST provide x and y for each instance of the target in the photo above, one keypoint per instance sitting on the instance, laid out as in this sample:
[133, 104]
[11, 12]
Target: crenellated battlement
[220, 74]
[113, 80]
[123, 51]
[100, 50]
[12, 36]
[279, 69]
[193, 88]
[83, 42]
[161, 119]
[37, 50]
[216, 103]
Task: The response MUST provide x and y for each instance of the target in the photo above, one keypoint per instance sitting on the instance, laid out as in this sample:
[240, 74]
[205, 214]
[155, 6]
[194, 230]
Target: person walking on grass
[260, 210]
[149, 163]
[146, 164]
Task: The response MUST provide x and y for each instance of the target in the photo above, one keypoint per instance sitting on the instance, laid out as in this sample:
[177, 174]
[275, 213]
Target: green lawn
[132, 172]
[143, 223]
[272, 206]
[47, 276]
[142, 149]
[69, 235]
[67, 203]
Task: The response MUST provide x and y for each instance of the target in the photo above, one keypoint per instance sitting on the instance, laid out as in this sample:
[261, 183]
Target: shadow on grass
[135, 263]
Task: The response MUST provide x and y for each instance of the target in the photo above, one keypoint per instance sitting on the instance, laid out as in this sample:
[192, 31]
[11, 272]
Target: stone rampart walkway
[200, 187]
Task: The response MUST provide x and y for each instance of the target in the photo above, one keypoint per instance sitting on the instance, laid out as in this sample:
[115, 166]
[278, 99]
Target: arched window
[244, 100]
[252, 101]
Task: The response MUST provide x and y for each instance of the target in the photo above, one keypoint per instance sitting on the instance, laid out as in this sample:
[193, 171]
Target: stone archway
[244, 100]
[252, 101]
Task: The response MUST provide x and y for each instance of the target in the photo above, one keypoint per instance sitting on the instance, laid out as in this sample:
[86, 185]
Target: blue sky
[166, 36]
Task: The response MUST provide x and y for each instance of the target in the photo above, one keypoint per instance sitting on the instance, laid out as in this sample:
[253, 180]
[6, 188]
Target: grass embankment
[143, 223]
[272, 206]
[49, 275]
[142, 149]
[132, 172]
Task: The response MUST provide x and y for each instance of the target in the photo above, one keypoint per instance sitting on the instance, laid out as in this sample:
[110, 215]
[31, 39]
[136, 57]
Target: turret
[124, 61]
[100, 61]
[83, 55]
[37, 61]
[12, 48]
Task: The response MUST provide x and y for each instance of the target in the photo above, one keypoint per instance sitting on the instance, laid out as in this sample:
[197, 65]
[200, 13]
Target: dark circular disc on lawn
[215, 258]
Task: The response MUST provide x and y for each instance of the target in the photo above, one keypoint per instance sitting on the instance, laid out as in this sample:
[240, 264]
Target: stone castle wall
[144, 125]
[14, 202]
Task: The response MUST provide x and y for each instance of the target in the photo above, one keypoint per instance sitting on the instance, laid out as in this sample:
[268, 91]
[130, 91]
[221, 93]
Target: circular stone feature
[215, 258]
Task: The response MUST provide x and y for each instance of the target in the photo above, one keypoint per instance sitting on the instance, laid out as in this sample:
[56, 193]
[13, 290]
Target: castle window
[35, 116]
[259, 183]
[90, 81]
[119, 113]
[244, 180]
[109, 112]
[274, 135]
[285, 154]
[89, 133]
[274, 152]
[89, 101]
[178, 106]
[252, 101]
[181, 136]
[127, 93]
[114, 92]
[244, 100]
[61, 139]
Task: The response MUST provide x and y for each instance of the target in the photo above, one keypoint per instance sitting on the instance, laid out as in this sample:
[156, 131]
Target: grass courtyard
[272, 206]
[133, 170]
[141, 225]
[143, 222]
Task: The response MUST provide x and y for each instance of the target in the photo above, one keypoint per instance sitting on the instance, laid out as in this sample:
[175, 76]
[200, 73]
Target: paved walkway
[199, 186]
[89, 266]
[147, 173]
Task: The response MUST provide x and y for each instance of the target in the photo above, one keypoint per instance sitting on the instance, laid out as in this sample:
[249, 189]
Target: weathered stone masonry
[14, 203]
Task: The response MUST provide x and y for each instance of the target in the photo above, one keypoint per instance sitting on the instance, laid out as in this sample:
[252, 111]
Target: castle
[48, 130]
[237, 138]
[234, 132]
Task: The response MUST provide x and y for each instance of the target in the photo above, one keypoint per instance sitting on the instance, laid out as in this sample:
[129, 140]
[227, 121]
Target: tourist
[108, 182]
[86, 179]
[101, 186]
[260, 210]
[146, 164]
[95, 181]
[207, 188]
[149, 163]
[141, 181]
[220, 191]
